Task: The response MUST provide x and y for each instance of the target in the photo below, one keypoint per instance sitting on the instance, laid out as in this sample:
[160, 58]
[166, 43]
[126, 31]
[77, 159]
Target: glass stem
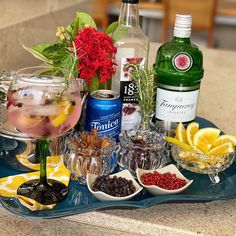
[43, 151]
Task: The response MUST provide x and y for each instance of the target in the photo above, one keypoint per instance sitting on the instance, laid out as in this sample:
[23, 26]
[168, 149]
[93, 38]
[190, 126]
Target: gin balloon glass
[44, 104]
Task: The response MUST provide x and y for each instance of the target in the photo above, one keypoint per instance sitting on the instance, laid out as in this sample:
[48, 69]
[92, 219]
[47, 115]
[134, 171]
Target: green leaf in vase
[94, 84]
[55, 52]
[72, 29]
[37, 50]
[111, 28]
[85, 20]
[121, 31]
[79, 22]
[69, 63]
[40, 47]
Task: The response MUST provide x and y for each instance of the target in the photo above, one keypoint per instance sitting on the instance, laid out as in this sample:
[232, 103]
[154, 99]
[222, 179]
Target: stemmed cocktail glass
[43, 103]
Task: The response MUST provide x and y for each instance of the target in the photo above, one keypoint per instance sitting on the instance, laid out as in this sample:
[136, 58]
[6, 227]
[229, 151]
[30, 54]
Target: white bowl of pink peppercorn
[167, 180]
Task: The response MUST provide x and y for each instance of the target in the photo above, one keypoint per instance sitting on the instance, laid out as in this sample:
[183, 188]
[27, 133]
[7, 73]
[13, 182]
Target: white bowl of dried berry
[167, 180]
[116, 187]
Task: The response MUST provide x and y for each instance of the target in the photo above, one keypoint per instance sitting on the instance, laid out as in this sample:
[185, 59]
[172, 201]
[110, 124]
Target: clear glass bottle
[179, 70]
[132, 48]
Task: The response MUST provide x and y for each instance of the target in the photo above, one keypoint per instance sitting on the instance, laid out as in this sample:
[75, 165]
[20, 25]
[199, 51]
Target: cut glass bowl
[202, 163]
[81, 161]
[143, 149]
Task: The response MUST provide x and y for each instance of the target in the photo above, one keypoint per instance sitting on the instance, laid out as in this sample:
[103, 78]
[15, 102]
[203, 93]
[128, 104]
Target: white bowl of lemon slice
[204, 150]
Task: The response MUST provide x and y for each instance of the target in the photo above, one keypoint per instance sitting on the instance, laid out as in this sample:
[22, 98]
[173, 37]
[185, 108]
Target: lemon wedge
[179, 143]
[222, 149]
[204, 138]
[191, 130]
[29, 121]
[181, 133]
[65, 111]
[225, 139]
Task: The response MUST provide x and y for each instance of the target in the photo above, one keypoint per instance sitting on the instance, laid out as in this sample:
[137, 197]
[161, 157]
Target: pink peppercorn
[166, 181]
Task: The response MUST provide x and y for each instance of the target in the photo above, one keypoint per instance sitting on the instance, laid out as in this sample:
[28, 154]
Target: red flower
[96, 55]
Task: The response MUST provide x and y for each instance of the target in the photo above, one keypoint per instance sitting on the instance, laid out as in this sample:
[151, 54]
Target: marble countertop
[218, 218]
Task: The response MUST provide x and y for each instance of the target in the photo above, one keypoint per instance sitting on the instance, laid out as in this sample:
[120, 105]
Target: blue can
[103, 113]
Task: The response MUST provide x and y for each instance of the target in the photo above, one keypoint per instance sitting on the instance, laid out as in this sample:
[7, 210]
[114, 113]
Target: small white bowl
[155, 190]
[106, 197]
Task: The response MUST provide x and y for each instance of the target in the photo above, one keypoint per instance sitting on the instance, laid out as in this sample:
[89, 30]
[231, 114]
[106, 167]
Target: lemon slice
[181, 133]
[29, 121]
[204, 138]
[225, 139]
[222, 149]
[178, 142]
[192, 129]
[65, 111]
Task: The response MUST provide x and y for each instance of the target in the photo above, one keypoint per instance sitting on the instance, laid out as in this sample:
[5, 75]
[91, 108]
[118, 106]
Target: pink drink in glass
[41, 112]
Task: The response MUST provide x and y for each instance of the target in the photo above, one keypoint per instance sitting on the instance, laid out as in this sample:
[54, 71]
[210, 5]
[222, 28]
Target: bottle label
[131, 117]
[182, 61]
[176, 106]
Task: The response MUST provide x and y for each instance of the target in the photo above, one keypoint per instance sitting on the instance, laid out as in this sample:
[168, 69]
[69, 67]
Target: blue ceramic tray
[80, 199]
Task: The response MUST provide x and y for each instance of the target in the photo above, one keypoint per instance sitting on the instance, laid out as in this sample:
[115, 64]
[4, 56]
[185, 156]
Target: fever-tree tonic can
[103, 112]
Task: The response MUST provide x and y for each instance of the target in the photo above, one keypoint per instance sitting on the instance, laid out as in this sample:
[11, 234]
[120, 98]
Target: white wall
[32, 22]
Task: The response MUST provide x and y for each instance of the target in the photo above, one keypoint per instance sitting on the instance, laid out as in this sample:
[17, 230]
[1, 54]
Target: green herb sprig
[145, 82]
[5, 81]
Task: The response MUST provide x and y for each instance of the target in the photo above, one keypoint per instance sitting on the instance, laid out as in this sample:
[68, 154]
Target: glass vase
[96, 85]
[145, 121]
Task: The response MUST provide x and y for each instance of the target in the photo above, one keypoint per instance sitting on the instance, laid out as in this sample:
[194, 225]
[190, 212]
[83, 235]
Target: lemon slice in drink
[204, 138]
[29, 121]
[222, 149]
[181, 133]
[192, 129]
[225, 139]
[65, 110]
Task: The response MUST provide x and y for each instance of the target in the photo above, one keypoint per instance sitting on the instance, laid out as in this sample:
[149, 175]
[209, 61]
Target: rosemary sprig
[145, 82]
[5, 81]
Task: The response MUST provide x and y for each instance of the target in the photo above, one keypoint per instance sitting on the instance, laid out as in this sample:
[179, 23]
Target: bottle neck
[181, 40]
[129, 15]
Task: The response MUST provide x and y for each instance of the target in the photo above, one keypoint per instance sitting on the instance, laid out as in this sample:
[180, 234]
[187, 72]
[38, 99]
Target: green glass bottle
[179, 70]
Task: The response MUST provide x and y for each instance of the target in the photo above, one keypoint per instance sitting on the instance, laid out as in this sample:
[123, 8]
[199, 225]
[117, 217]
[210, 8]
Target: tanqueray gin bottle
[132, 49]
[179, 70]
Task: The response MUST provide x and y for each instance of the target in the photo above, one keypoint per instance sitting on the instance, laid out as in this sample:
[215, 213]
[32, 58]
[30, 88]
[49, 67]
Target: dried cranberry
[10, 100]
[115, 186]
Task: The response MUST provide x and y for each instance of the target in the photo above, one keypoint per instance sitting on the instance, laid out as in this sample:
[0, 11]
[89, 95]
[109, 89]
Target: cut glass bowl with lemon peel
[202, 151]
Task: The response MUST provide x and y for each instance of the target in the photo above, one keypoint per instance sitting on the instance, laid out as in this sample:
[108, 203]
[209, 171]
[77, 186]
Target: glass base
[45, 194]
